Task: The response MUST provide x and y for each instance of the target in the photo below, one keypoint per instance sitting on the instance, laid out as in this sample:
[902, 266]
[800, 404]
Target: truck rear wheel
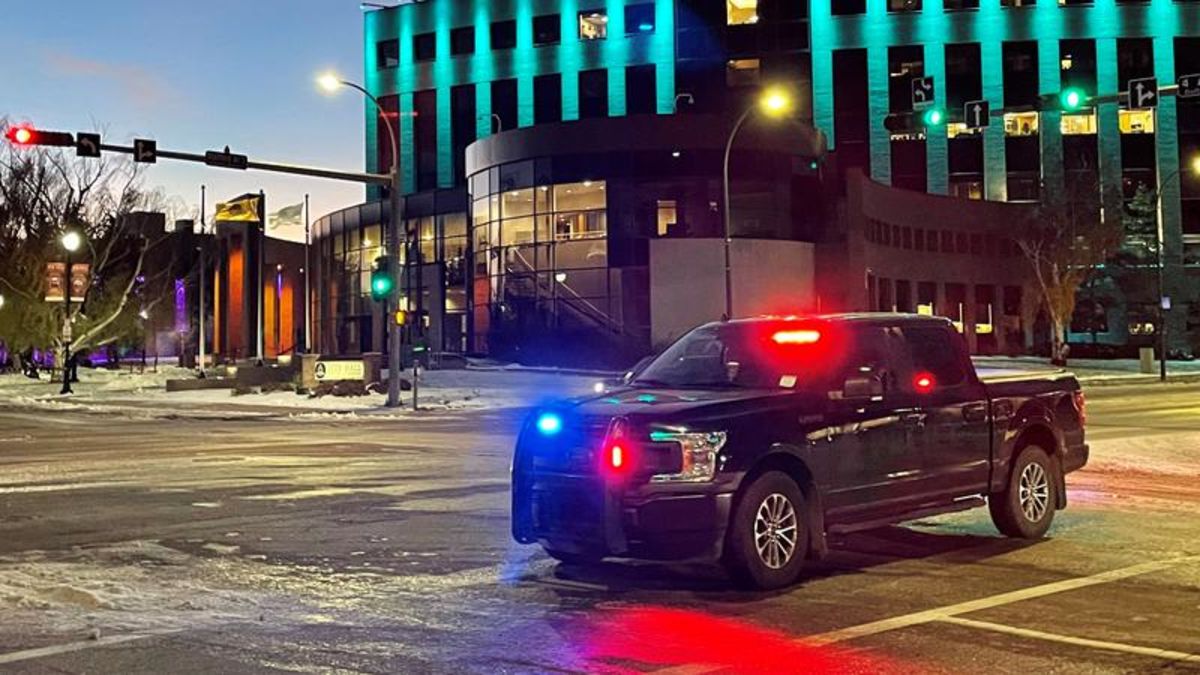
[768, 533]
[1026, 507]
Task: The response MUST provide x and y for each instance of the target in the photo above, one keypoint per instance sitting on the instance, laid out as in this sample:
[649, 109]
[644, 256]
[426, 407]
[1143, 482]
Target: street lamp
[331, 83]
[773, 102]
[71, 241]
[1194, 165]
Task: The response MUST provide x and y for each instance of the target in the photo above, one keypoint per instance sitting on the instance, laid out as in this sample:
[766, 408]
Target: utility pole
[307, 274]
[200, 289]
[262, 261]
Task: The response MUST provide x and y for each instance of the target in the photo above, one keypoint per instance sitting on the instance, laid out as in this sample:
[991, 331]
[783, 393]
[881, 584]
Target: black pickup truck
[752, 441]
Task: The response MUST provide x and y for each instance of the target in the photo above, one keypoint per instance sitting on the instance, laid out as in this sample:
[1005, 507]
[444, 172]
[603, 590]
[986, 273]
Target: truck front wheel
[768, 533]
[1026, 507]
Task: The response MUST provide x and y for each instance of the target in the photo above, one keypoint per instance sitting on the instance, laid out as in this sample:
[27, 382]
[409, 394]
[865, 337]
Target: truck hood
[671, 403]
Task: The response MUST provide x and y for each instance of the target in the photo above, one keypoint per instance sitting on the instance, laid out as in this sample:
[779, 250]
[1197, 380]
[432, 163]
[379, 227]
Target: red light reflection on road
[662, 638]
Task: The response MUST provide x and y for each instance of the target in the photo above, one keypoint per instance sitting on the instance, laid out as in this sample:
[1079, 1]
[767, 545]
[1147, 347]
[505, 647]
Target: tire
[767, 511]
[570, 558]
[1026, 507]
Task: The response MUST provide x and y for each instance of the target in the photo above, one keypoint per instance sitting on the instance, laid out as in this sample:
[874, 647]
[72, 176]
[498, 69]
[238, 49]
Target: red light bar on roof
[796, 337]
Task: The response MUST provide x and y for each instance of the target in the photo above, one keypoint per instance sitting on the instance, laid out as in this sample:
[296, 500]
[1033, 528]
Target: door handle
[914, 419]
[975, 412]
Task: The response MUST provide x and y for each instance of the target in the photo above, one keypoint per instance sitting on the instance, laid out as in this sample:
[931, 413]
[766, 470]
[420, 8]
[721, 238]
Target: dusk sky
[197, 76]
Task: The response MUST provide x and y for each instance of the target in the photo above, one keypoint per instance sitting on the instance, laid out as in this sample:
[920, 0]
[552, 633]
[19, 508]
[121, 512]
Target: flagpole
[200, 288]
[262, 261]
[307, 290]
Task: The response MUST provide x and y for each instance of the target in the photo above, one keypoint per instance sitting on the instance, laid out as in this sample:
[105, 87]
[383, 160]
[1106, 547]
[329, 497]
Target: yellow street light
[329, 82]
[1196, 165]
[775, 101]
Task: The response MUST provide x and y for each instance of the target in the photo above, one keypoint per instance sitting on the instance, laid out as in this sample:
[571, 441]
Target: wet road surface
[276, 545]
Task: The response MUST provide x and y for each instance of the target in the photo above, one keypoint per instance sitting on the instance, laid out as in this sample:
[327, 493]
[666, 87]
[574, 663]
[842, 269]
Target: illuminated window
[1078, 125]
[739, 12]
[593, 25]
[1137, 121]
[956, 129]
[742, 72]
[1021, 124]
[668, 215]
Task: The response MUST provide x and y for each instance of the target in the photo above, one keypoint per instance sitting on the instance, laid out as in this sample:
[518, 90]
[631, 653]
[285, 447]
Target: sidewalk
[1094, 372]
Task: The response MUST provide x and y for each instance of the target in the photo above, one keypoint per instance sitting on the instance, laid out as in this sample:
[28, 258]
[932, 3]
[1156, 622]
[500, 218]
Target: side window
[871, 358]
[936, 351]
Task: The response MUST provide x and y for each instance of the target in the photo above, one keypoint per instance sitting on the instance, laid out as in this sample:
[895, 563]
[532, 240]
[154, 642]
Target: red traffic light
[19, 135]
[26, 135]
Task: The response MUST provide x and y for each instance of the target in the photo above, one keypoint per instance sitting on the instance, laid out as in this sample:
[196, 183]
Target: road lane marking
[43, 652]
[951, 611]
[1165, 654]
[925, 616]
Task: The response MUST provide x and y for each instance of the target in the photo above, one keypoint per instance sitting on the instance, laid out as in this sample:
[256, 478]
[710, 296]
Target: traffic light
[915, 122]
[382, 282]
[25, 136]
[400, 317]
[1069, 100]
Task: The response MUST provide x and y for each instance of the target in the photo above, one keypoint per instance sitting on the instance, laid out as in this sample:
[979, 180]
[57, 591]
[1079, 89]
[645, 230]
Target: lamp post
[330, 83]
[1161, 259]
[773, 102]
[71, 241]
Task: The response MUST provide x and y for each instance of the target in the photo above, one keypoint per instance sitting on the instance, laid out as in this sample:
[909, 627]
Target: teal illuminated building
[556, 153]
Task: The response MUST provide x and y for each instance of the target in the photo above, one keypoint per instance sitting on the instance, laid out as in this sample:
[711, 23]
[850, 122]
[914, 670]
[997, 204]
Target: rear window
[936, 351]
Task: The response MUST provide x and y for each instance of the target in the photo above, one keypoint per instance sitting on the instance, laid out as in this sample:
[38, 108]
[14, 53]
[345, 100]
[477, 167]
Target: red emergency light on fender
[796, 337]
[924, 383]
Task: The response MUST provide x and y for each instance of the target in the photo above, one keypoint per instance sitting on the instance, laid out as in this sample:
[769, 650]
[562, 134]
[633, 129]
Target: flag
[241, 210]
[288, 216]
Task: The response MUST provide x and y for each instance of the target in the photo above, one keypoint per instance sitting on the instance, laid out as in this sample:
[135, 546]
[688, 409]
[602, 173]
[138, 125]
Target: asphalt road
[266, 545]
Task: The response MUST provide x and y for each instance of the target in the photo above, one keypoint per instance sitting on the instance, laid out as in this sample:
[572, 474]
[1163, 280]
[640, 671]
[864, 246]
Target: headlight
[699, 454]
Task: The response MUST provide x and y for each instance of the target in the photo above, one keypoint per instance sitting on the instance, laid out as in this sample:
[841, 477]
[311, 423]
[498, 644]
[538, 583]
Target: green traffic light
[933, 117]
[1072, 99]
[381, 286]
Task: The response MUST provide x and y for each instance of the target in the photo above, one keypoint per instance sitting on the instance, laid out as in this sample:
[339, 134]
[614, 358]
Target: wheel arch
[787, 460]
[1041, 434]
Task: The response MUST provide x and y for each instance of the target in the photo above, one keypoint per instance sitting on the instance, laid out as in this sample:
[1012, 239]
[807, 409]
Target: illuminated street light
[329, 82]
[773, 102]
[71, 241]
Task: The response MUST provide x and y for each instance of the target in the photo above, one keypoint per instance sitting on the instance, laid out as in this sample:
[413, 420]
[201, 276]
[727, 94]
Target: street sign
[226, 159]
[922, 92]
[977, 114]
[87, 145]
[1189, 86]
[145, 151]
[1143, 93]
[340, 370]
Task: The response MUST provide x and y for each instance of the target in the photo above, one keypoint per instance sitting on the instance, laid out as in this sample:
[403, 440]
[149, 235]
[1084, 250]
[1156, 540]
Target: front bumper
[587, 515]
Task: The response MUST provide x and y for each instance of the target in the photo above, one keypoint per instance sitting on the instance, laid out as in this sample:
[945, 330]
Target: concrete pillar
[372, 367]
[308, 371]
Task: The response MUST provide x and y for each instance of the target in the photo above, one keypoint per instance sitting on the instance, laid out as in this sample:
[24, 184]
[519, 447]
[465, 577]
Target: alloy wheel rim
[1034, 490]
[776, 531]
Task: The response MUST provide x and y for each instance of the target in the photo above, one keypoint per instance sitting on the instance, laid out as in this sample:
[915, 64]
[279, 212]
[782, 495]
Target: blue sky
[196, 75]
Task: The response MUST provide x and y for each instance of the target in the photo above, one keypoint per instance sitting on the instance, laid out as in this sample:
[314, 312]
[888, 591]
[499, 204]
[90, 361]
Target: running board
[957, 505]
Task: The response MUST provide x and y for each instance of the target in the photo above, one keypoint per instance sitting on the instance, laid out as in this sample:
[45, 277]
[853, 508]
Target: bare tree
[42, 194]
[1064, 239]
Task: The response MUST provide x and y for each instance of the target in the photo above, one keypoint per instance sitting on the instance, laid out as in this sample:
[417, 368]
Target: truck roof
[851, 317]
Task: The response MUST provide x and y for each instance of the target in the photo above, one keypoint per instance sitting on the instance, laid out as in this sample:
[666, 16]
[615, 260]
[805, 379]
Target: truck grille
[572, 451]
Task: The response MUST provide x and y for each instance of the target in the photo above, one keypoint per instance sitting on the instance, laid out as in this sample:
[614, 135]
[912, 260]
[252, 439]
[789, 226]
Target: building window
[425, 47]
[547, 98]
[1020, 73]
[593, 93]
[1018, 3]
[387, 54]
[547, 29]
[743, 72]
[848, 7]
[593, 25]
[967, 187]
[740, 12]
[639, 18]
[904, 5]
[425, 145]
[504, 34]
[1079, 125]
[668, 216]
[953, 5]
[462, 41]
[1136, 121]
[1021, 124]
[640, 93]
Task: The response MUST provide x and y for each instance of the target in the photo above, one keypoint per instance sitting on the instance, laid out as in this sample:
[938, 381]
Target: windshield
[750, 355]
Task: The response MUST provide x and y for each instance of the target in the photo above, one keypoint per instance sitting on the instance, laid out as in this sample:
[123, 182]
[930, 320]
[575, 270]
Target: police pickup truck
[750, 442]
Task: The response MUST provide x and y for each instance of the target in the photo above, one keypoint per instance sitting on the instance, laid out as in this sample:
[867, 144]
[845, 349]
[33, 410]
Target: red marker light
[796, 337]
[616, 457]
[923, 383]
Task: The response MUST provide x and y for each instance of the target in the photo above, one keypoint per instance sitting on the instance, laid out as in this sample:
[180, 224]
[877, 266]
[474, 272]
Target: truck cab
[750, 442]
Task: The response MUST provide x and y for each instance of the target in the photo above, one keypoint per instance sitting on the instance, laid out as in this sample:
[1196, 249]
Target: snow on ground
[441, 390]
[1088, 370]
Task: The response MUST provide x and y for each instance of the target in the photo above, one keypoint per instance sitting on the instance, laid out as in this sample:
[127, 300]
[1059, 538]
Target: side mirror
[862, 386]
